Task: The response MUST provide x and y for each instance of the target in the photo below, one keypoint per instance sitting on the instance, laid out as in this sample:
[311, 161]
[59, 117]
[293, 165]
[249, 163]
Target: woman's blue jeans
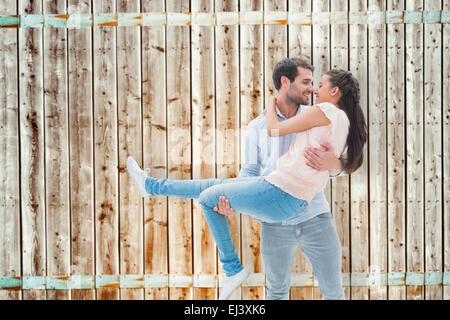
[253, 196]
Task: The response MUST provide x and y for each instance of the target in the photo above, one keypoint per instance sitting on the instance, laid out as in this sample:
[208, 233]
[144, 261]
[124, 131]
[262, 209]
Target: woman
[337, 118]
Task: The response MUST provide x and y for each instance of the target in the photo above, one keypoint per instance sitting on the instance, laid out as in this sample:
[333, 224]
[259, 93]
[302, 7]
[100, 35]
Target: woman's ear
[335, 91]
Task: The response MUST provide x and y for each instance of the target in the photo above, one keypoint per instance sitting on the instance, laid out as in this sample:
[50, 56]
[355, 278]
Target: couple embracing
[285, 193]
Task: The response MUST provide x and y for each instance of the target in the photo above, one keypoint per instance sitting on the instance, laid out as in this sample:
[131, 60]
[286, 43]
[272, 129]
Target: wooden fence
[84, 84]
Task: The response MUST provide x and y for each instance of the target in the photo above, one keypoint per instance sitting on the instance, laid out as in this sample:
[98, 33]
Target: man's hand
[323, 158]
[224, 207]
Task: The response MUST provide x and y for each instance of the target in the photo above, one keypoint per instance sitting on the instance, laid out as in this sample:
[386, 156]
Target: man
[314, 229]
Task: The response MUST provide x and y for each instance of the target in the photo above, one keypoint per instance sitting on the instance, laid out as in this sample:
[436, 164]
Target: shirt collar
[282, 116]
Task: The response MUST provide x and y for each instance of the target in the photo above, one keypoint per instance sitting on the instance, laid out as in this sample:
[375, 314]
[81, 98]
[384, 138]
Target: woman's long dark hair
[349, 102]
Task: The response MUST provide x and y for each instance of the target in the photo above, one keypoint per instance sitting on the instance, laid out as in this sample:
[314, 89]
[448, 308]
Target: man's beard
[297, 99]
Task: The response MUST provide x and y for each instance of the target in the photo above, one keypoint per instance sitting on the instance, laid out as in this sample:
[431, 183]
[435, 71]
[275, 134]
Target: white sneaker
[232, 283]
[138, 176]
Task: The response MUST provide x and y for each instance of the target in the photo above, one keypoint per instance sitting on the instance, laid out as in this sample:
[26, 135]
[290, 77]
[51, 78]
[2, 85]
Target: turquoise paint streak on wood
[433, 278]
[34, 282]
[135, 281]
[129, 19]
[83, 282]
[394, 17]
[396, 278]
[445, 16]
[415, 278]
[132, 281]
[160, 19]
[431, 16]
[413, 17]
[154, 19]
[31, 21]
[9, 21]
[10, 282]
[107, 280]
[80, 20]
[156, 281]
[55, 20]
[105, 19]
[58, 282]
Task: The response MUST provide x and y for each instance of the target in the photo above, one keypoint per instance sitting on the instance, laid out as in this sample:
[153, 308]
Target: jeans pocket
[288, 205]
[294, 204]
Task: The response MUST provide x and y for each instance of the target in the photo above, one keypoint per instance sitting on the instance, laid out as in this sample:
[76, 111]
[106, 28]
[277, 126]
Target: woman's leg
[254, 197]
[188, 189]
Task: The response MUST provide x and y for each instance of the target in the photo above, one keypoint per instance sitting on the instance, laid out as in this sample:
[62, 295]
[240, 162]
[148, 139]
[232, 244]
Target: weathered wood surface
[446, 146]
[154, 128]
[179, 143]
[433, 150]
[10, 213]
[106, 184]
[340, 187]
[56, 150]
[414, 156]
[252, 104]
[359, 182]
[300, 45]
[129, 95]
[32, 150]
[377, 153]
[395, 150]
[227, 110]
[81, 150]
[203, 141]
[76, 102]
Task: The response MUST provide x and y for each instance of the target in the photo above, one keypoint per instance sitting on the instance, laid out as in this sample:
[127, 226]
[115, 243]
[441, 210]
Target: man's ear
[284, 81]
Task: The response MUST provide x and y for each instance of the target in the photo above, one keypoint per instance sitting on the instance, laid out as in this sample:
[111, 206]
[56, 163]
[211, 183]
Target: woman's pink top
[292, 174]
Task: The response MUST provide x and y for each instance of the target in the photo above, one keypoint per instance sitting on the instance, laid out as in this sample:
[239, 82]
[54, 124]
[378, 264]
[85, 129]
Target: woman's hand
[270, 104]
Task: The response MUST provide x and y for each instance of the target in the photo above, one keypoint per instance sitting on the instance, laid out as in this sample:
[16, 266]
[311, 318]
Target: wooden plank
[252, 102]
[340, 187]
[395, 150]
[359, 205]
[32, 150]
[275, 49]
[179, 147]
[105, 151]
[377, 151]
[299, 36]
[227, 110]
[10, 242]
[130, 144]
[321, 52]
[275, 46]
[81, 150]
[56, 150]
[446, 146]
[154, 146]
[203, 141]
[414, 150]
[433, 150]
[300, 45]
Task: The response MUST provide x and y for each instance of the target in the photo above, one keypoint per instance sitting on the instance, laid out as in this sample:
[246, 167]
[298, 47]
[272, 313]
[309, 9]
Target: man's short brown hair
[288, 68]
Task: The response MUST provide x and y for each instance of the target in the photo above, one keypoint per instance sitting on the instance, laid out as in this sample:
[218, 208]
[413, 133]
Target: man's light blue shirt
[262, 153]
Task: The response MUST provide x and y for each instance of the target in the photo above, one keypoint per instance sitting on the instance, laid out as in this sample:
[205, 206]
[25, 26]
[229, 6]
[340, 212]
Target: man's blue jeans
[253, 196]
[320, 243]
